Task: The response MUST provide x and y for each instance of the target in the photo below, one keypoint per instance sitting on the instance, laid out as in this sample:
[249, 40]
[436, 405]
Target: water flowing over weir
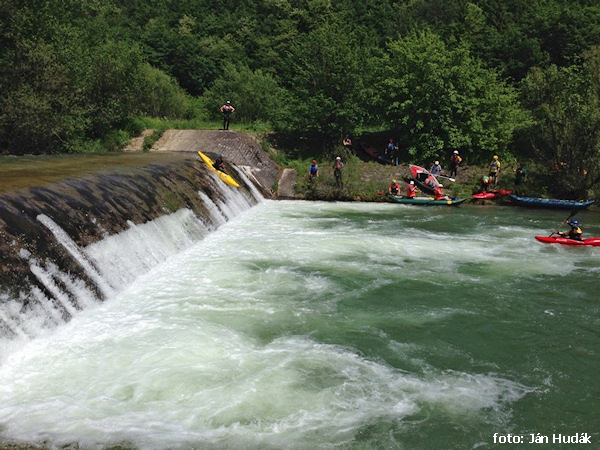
[72, 244]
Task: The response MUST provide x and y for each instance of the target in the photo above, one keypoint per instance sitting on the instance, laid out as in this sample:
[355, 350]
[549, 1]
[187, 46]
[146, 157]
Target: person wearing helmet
[313, 171]
[227, 109]
[455, 160]
[574, 233]
[495, 170]
[484, 184]
[394, 188]
[438, 194]
[435, 169]
[411, 190]
[338, 165]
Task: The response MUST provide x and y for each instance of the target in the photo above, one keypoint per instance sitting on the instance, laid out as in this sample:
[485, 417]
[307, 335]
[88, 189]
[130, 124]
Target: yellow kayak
[222, 175]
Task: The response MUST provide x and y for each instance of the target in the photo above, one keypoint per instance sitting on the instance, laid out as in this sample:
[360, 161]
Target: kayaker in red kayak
[574, 233]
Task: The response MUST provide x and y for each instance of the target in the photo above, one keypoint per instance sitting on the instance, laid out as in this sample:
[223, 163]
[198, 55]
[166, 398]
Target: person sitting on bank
[574, 233]
[438, 194]
[411, 190]
[394, 188]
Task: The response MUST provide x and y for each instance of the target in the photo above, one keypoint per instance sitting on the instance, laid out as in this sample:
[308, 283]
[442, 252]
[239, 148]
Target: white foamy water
[296, 325]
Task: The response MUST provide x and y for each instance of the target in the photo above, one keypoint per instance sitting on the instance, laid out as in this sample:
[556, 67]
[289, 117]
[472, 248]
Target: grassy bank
[365, 180]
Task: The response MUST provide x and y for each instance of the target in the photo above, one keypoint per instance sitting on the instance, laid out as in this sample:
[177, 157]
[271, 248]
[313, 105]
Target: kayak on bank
[491, 195]
[550, 202]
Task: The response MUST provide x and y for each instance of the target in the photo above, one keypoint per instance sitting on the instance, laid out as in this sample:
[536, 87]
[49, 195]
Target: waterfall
[66, 274]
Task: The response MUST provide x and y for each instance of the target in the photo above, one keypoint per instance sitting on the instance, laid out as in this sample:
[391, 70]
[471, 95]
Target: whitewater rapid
[293, 325]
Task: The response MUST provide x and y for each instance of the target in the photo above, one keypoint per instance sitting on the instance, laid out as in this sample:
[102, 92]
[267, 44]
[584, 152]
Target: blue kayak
[550, 202]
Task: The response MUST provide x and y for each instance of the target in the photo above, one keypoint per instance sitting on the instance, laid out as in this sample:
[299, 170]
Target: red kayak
[492, 194]
[424, 180]
[595, 242]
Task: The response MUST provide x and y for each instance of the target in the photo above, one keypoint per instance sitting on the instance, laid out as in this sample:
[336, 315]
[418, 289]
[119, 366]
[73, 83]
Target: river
[308, 325]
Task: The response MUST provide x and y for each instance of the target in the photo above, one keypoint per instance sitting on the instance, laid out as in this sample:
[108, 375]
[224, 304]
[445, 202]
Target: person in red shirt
[438, 194]
[394, 188]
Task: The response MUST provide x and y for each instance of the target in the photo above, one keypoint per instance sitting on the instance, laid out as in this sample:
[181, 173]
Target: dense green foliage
[482, 76]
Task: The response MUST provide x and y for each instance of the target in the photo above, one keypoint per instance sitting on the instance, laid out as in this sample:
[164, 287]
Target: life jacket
[438, 193]
[227, 109]
[313, 169]
[391, 147]
[394, 188]
[410, 190]
[575, 233]
[495, 167]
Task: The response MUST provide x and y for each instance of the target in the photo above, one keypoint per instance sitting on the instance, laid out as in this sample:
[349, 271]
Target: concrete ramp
[240, 149]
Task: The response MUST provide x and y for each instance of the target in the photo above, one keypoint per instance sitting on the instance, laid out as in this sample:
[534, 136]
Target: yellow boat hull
[227, 179]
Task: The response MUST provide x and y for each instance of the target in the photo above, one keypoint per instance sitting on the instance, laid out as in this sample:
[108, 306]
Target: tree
[440, 98]
[256, 95]
[325, 80]
[565, 137]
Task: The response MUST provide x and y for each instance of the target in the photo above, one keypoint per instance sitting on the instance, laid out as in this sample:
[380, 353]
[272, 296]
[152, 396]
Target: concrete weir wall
[74, 240]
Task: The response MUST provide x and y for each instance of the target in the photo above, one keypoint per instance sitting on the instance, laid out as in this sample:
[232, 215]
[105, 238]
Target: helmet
[495, 156]
[338, 159]
[391, 140]
[437, 162]
[456, 152]
[228, 102]
[394, 181]
[574, 222]
[314, 161]
[486, 178]
[412, 182]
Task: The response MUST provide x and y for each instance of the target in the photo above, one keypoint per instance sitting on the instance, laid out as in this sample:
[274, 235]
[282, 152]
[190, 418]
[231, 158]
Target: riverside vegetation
[512, 78]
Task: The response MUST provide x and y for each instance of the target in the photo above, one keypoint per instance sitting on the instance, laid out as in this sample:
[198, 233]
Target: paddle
[447, 178]
[573, 212]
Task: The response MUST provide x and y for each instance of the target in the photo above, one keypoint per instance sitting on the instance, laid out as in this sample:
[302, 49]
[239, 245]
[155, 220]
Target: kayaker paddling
[574, 233]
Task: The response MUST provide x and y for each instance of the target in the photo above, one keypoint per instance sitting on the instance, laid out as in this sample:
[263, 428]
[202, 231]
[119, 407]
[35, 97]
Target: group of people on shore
[338, 166]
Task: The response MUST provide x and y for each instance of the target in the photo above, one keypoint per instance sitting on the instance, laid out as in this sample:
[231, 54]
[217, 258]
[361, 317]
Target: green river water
[308, 325]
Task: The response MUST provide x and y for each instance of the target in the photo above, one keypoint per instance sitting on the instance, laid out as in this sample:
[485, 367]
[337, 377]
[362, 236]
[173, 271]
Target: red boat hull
[492, 195]
[595, 242]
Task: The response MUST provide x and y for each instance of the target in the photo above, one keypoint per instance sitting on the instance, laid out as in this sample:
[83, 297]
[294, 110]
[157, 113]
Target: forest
[518, 79]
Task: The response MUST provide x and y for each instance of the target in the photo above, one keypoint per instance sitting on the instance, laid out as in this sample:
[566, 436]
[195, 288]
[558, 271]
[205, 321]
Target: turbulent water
[329, 325]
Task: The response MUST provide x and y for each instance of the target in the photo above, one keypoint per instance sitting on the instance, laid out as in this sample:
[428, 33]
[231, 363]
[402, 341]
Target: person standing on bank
[227, 109]
[520, 177]
[338, 165]
[494, 170]
[455, 160]
[313, 171]
[436, 169]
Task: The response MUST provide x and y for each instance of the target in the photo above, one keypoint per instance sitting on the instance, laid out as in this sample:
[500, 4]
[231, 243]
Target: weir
[70, 244]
